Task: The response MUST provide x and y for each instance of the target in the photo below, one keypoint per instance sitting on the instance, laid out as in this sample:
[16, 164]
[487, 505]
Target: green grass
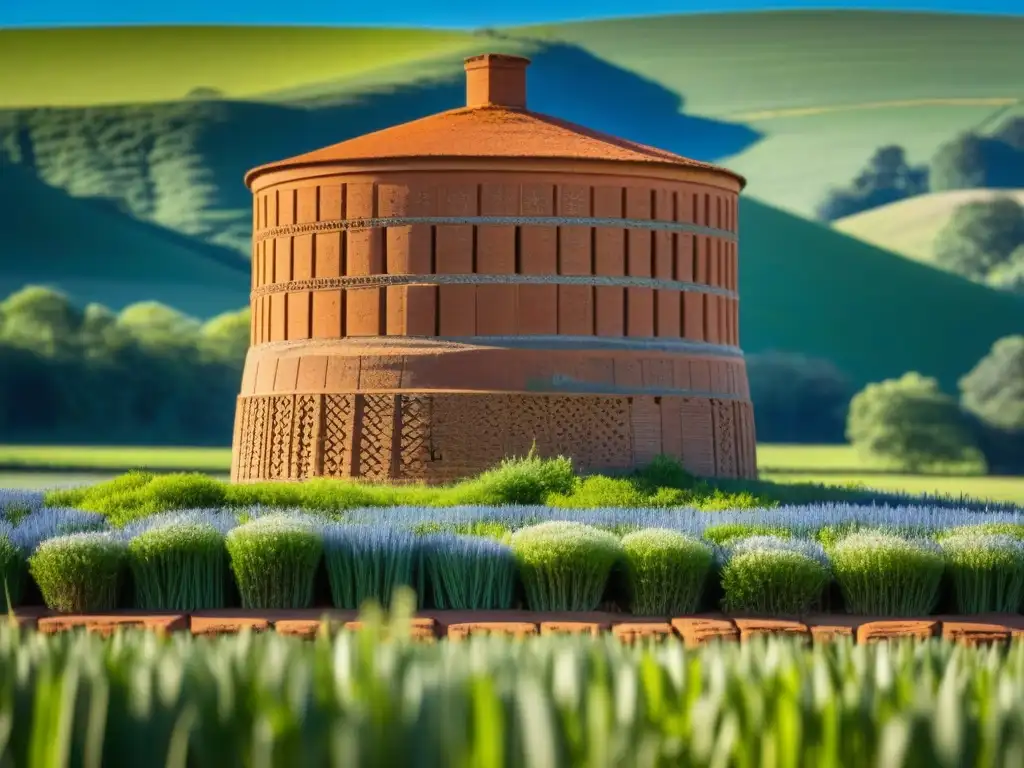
[117, 65]
[78, 457]
[911, 227]
[94, 252]
[844, 466]
[860, 79]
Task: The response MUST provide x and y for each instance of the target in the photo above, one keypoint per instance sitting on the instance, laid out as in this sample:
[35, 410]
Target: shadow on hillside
[180, 164]
[564, 81]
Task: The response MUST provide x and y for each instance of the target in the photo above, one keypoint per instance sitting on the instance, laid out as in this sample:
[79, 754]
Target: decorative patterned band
[376, 281]
[341, 225]
[396, 345]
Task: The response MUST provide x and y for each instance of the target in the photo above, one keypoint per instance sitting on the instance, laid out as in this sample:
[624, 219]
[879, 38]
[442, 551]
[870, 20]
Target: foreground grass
[374, 699]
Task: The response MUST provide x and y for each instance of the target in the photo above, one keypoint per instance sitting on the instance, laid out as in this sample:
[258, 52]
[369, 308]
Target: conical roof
[494, 124]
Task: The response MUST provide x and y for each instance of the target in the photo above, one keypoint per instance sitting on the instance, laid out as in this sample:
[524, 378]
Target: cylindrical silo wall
[422, 325]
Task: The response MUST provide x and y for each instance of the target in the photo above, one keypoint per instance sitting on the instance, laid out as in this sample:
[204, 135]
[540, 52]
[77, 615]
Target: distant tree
[980, 236]
[40, 319]
[886, 178]
[910, 421]
[1012, 133]
[797, 399]
[994, 389]
[971, 161]
[1009, 276]
[225, 338]
[159, 328]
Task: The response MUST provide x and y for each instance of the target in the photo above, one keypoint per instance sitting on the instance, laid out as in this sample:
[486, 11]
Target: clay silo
[430, 298]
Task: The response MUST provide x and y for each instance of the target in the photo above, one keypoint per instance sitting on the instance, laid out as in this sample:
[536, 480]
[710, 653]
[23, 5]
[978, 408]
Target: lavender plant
[887, 575]
[468, 573]
[367, 563]
[665, 571]
[775, 576]
[564, 566]
[275, 559]
[179, 566]
[986, 572]
[79, 572]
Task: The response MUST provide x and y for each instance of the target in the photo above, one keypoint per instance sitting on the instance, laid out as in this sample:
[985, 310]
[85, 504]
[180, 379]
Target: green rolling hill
[805, 287]
[910, 227]
[797, 101]
[94, 252]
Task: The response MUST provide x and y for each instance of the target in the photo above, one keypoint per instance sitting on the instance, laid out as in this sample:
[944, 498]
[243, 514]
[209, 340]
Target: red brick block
[698, 630]
[514, 629]
[896, 629]
[593, 628]
[227, 625]
[635, 632]
[976, 633]
[422, 629]
[108, 624]
[754, 627]
[827, 627]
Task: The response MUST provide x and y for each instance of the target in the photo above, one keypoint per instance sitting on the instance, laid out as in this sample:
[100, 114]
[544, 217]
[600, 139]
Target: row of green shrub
[297, 561]
[530, 480]
[372, 699]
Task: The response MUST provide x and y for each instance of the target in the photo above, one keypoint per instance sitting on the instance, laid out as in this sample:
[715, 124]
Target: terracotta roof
[489, 130]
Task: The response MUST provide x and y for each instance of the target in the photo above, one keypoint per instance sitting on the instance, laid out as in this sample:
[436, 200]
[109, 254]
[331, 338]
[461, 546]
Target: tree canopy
[994, 389]
[981, 237]
[145, 375]
[886, 178]
[912, 423]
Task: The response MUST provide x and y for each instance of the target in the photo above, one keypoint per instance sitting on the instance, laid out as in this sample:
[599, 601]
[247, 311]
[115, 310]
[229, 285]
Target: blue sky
[433, 13]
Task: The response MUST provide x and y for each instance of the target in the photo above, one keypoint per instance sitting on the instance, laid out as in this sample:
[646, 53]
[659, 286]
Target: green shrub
[666, 472]
[179, 567]
[79, 572]
[772, 576]
[468, 573]
[986, 571]
[564, 566]
[600, 491]
[665, 570]
[368, 563]
[274, 559]
[528, 480]
[887, 575]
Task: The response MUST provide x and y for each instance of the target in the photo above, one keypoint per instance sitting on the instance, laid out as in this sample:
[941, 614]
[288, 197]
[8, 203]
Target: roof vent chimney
[495, 79]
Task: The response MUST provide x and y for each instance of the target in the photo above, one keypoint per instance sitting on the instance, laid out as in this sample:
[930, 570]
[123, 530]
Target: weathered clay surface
[889, 629]
[976, 633]
[826, 627]
[421, 319]
[507, 628]
[700, 630]
[573, 628]
[108, 624]
[755, 627]
[639, 632]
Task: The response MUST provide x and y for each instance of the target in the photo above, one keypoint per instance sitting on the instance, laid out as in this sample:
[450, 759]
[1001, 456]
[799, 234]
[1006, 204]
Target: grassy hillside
[808, 288]
[910, 227]
[94, 252]
[825, 87]
[124, 65]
